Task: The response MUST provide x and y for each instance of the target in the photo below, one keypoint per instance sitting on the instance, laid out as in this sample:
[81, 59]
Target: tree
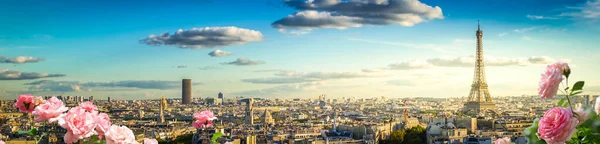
[415, 135]
[397, 136]
[184, 139]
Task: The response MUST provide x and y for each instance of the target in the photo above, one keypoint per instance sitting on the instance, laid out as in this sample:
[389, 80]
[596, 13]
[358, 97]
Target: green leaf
[577, 86]
[94, 138]
[530, 133]
[33, 132]
[561, 102]
[23, 132]
[216, 136]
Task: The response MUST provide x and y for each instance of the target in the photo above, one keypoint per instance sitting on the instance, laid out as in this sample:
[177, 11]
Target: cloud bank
[469, 61]
[287, 77]
[244, 62]
[314, 14]
[208, 37]
[407, 65]
[464, 61]
[70, 86]
[20, 60]
[18, 75]
[219, 53]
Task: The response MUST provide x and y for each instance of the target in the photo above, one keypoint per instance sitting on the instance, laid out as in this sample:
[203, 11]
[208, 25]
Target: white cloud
[17, 75]
[244, 62]
[374, 70]
[70, 86]
[542, 60]
[469, 61]
[283, 77]
[538, 17]
[521, 32]
[315, 14]
[407, 65]
[590, 10]
[20, 59]
[219, 53]
[524, 30]
[208, 37]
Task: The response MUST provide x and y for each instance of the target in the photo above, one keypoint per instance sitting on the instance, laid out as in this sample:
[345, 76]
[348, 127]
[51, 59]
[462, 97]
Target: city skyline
[291, 49]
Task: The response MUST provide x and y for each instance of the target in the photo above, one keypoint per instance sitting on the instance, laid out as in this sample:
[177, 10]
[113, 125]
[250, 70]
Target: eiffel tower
[479, 98]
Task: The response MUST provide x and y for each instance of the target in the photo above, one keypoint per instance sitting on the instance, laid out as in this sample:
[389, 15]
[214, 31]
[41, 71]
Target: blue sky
[283, 49]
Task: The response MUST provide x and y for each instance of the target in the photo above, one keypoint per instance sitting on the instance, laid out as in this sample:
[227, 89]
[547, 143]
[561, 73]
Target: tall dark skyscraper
[221, 100]
[186, 91]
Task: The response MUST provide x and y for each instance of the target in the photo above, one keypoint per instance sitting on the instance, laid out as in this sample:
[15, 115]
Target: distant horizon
[295, 48]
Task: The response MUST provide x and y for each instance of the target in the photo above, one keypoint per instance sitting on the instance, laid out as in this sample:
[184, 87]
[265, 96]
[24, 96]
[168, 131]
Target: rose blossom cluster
[204, 119]
[551, 79]
[559, 124]
[504, 140]
[81, 122]
[26, 103]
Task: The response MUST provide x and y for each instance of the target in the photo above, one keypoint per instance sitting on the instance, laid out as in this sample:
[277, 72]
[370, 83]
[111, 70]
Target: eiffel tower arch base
[480, 107]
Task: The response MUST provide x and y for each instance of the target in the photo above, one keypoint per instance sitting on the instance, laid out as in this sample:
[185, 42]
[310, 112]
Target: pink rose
[582, 115]
[557, 125]
[25, 103]
[120, 135]
[204, 119]
[88, 106]
[38, 101]
[102, 124]
[504, 140]
[597, 106]
[49, 110]
[551, 79]
[150, 141]
[79, 124]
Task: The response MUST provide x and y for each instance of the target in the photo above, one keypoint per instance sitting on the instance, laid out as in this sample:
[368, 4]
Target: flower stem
[569, 101]
[568, 95]
[37, 141]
